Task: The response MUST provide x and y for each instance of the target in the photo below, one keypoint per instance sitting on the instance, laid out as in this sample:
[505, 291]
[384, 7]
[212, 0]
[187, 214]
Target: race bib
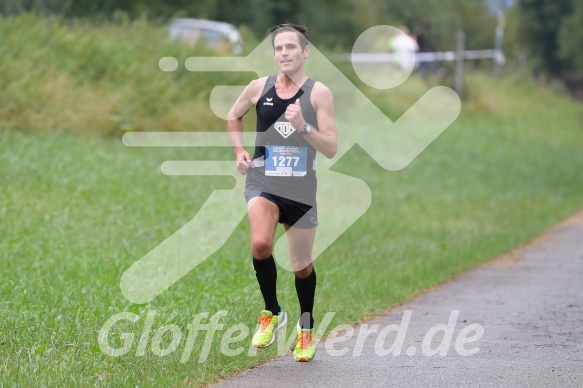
[285, 160]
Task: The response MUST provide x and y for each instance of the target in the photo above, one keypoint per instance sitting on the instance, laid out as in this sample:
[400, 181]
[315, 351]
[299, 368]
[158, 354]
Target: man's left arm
[324, 138]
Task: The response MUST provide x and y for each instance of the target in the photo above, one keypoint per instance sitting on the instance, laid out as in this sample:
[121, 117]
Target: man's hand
[294, 115]
[243, 162]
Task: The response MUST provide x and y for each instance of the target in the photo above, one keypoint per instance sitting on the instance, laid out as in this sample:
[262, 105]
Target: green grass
[77, 208]
[99, 80]
[76, 212]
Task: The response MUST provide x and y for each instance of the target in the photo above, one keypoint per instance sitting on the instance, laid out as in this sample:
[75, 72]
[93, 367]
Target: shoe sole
[304, 359]
[281, 323]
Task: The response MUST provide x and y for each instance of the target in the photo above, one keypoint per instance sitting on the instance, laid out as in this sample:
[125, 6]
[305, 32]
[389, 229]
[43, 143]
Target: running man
[295, 119]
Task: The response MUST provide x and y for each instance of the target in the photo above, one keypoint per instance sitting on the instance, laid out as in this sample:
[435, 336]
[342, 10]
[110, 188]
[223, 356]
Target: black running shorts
[291, 212]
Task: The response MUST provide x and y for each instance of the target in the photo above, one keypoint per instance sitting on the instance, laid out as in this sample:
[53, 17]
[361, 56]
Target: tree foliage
[571, 39]
[331, 22]
[552, 33]
[540, 22]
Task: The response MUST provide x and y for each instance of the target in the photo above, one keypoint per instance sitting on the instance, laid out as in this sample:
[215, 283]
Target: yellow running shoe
[305, 349]
[270, 323]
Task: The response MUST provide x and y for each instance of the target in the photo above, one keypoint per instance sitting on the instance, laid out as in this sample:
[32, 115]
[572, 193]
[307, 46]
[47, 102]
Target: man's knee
[261, 246]
[302, 268]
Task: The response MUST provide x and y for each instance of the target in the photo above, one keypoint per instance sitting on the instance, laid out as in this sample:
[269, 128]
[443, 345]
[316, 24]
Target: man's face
[288, 53]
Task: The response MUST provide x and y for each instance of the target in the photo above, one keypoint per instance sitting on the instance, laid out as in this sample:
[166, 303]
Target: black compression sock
[306, 289]
[266, 273]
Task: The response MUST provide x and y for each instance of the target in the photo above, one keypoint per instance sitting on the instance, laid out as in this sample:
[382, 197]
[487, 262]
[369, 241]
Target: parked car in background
[218, 35]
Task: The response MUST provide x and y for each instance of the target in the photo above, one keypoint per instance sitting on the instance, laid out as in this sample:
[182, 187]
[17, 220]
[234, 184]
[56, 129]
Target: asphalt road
[519, 323]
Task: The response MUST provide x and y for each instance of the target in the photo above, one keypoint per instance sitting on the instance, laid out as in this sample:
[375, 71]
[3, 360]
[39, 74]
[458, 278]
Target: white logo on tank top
[284, 128]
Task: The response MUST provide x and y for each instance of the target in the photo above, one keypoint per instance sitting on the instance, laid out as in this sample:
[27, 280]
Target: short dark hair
[301, 30]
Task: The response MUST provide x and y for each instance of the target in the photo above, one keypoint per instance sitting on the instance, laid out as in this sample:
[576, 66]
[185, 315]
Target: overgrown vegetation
[60, 75]
[333, 23]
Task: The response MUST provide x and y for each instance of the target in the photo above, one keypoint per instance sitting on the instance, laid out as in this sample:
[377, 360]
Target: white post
[498, 43]
[459, 67]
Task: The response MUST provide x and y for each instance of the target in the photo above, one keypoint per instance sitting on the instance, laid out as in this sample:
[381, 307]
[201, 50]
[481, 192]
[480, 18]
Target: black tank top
[275, 133]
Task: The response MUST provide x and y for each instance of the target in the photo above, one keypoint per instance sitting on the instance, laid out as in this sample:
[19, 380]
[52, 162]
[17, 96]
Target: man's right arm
[245, 101]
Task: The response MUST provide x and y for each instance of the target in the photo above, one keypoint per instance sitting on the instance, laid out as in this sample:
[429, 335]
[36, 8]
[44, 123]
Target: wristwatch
[307, 129]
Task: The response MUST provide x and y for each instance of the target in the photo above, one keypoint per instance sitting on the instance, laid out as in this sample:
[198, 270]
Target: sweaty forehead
[287, 37]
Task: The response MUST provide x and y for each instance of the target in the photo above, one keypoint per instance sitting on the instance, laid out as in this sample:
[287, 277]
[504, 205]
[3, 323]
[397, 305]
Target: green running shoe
[305, 349]
[270, 323]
